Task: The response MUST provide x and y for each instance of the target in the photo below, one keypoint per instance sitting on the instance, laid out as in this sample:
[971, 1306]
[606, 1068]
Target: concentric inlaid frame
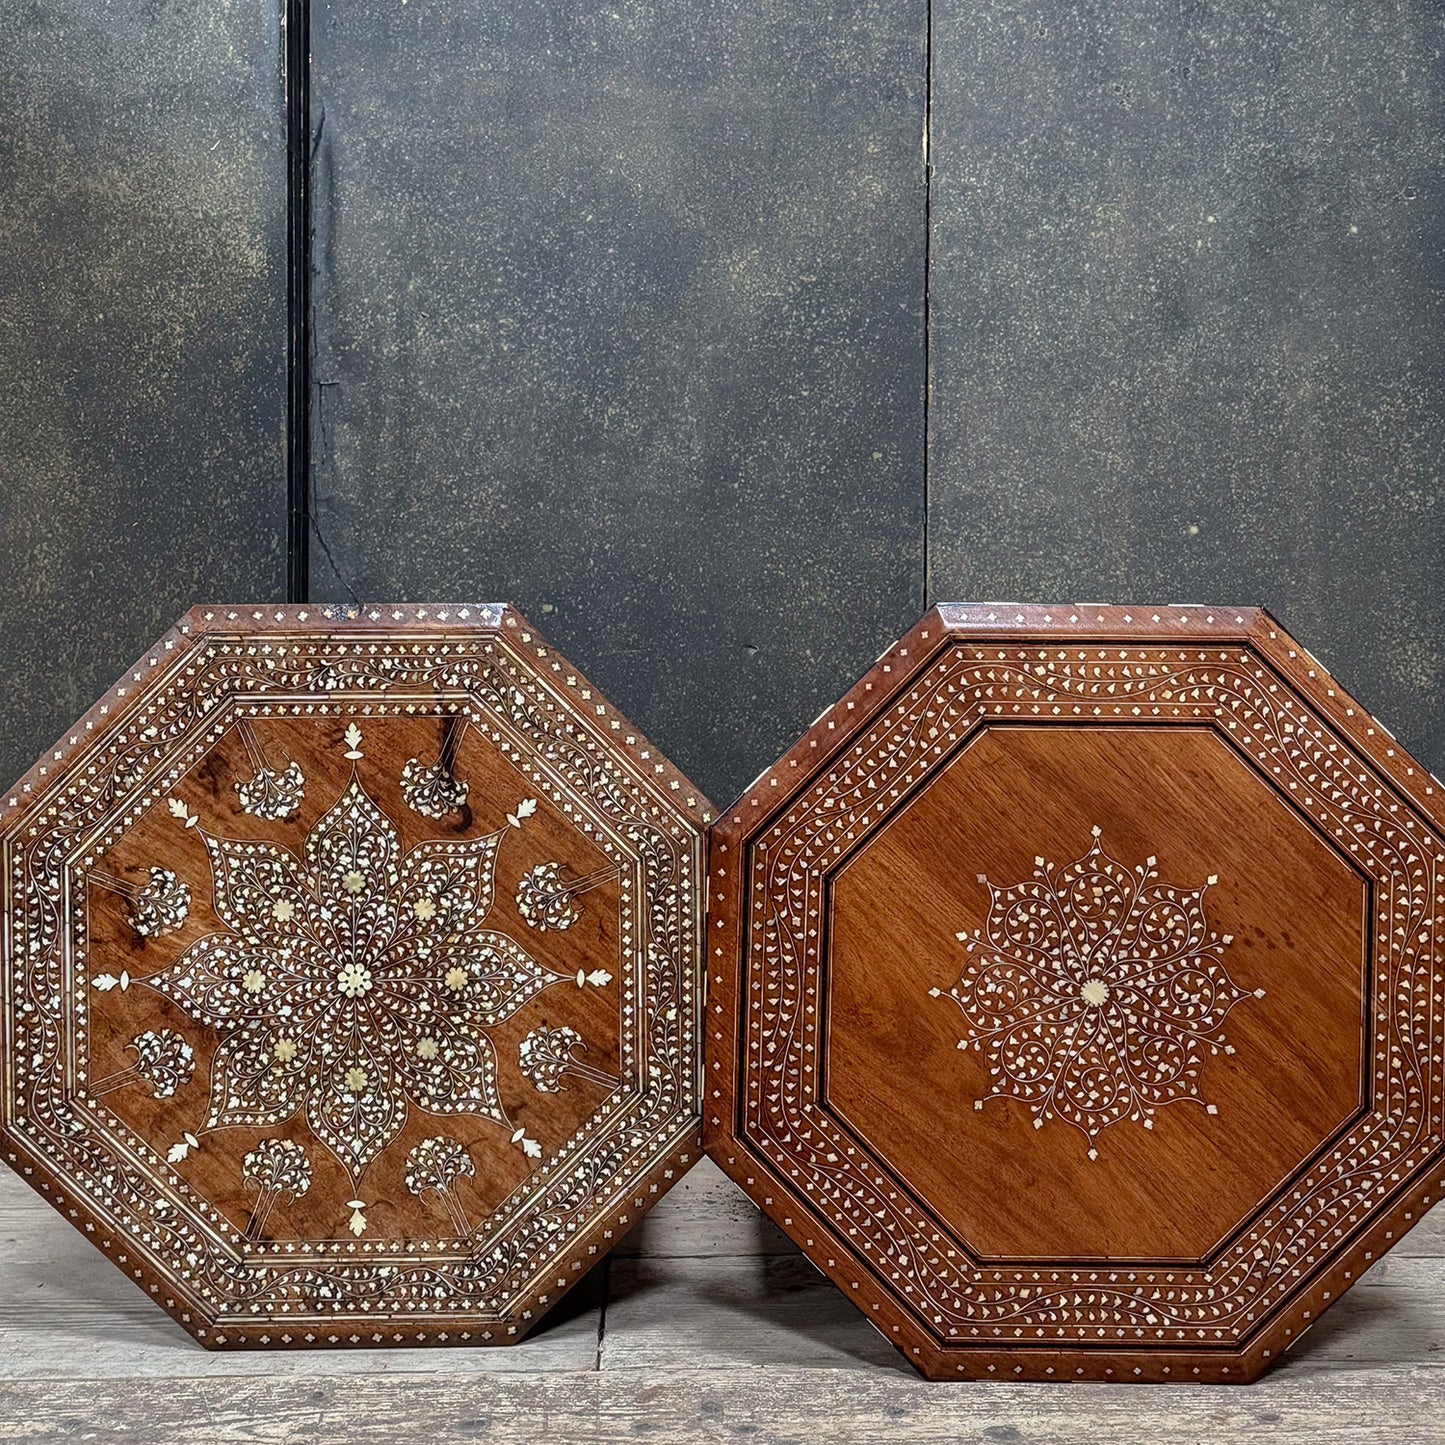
[766, 1120]
[218, 666]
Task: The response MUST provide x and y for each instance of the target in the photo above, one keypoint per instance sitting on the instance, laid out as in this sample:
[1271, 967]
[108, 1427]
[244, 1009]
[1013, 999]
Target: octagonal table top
[350, 987]
[1074, 999]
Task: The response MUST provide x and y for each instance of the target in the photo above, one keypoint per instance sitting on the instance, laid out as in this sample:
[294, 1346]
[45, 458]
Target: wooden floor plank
[811, 1407]
[1396, 1314]
[675, 1299]
[705, 1214]
[695, 1344]
[737, 1312]
[778, 1311]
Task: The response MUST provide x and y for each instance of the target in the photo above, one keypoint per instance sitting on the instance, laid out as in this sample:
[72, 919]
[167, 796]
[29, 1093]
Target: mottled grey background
[1187, 330]
[142, 337]
[620, 317]
[625, 312]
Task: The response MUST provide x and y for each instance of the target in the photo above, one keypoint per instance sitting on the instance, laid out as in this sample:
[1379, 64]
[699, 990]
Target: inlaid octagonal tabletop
[350, 975]
[1075, 999]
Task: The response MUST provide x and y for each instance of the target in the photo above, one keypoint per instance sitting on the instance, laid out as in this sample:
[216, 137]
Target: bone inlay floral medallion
[353, 979]
[351, 975]
[1096, 992]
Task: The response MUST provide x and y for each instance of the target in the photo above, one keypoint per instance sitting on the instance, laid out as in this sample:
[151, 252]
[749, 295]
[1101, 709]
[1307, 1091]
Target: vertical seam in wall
[296, 19]
[927, 301]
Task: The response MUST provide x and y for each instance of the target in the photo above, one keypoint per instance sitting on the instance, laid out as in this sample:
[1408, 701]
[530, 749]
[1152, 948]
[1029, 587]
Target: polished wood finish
[1073, 1000]
[351, 975]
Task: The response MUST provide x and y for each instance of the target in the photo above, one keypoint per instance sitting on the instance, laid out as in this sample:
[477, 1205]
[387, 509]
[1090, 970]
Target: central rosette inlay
[352, 980]
[1096, 992]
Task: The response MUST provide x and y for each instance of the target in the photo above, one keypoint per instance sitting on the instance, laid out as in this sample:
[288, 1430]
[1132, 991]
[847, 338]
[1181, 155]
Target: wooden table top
[1073, 994]
[350, 989]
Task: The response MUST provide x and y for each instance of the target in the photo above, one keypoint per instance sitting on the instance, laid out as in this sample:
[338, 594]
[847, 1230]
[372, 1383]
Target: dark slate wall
[142, 337]
[619, 317]
[619, 313]
[1186, 330]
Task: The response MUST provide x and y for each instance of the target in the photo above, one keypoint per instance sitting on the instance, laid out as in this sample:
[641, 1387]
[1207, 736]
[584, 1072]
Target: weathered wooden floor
[705, 1325]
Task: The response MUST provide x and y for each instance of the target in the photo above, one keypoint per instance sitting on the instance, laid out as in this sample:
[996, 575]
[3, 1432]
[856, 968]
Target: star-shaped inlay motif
[352, 980]
[1096, 991]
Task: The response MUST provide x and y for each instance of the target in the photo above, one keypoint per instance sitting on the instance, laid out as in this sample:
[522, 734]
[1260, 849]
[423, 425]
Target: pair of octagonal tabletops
[1069, 992]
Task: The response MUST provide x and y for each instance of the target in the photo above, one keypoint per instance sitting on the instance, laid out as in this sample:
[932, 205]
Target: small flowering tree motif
[436, 1164]
[433, 789]
[274, 1167]
[269, 792]
[157, 907]
[163, 1059]
[1097, 992]
[546, 900]
[545, 1055]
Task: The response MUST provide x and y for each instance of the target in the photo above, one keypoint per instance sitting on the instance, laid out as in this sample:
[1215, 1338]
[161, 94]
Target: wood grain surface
[1251, 1116]
[1073, 996]
[351, 975]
